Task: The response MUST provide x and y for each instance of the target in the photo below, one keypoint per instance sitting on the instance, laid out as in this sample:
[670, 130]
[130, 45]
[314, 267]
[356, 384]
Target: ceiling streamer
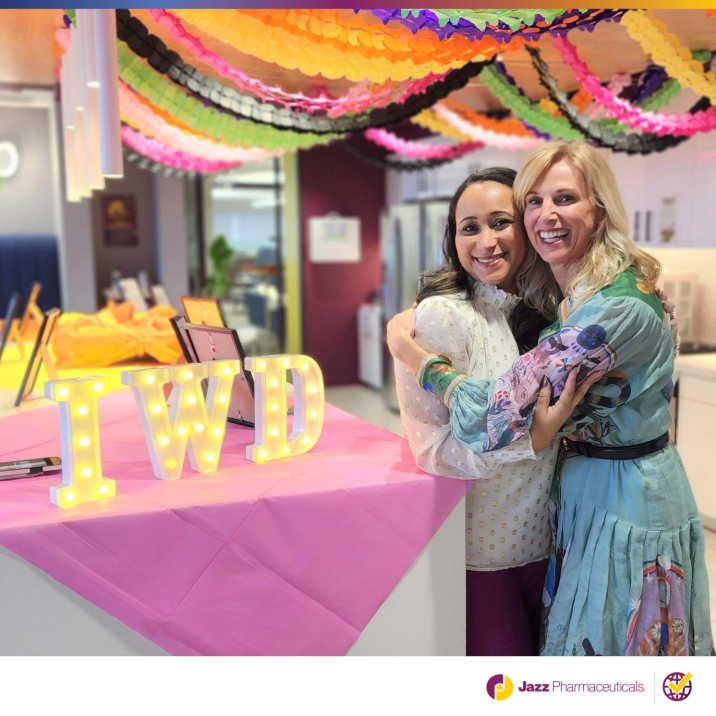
[216, 125]
[356, 100]
[406, 64]
[258, 33]
[228, 100]
[390, 163]
[169, 156]
[664, 48]
[605, 136]
[686, 124]
[420, 150]
[502, 25]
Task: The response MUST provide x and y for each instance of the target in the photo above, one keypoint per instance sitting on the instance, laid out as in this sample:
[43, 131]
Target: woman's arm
[402, 343]
[603, 333]
[445, 326]
[547, 419]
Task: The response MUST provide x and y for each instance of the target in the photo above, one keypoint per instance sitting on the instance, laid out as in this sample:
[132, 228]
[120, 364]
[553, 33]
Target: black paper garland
[396, 164]
[631, 142]
[143, 162]
[209, 90]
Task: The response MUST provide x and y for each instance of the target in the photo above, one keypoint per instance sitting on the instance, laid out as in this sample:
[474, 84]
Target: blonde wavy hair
[611, 251]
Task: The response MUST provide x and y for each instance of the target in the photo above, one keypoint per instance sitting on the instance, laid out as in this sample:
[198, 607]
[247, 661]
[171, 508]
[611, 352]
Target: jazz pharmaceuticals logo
[499, 687]
[677, 686]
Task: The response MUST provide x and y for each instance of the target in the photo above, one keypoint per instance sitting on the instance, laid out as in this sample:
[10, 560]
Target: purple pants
[504, 609]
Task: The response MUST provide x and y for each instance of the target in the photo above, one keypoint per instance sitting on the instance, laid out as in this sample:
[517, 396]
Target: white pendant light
[85, 25]
[77, 95]
[89, 79]
[68, 134]
[105, 43]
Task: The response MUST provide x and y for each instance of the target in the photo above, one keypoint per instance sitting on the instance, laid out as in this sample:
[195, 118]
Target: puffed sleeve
[609, 335]
[444, 327]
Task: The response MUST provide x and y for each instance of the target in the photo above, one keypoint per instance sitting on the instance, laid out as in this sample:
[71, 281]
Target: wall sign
[334, 239]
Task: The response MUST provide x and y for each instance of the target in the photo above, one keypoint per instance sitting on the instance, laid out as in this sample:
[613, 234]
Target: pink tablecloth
[289, 557]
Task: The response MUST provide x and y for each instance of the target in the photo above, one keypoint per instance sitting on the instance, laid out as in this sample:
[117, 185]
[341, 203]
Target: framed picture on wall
[334, 239]
[119, 220]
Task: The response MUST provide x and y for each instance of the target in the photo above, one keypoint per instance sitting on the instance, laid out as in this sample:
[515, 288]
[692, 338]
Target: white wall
[687, 172]
[33, 200]
[171, 236]
[27, 198]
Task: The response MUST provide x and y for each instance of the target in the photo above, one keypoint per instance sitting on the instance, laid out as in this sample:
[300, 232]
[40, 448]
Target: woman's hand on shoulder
[401, 339]
[401, 329]
[548, 419]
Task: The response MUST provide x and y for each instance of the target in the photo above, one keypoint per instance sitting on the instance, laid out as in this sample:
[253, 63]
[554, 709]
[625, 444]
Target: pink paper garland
[158, 152]
[139, 114]
[486, 136]
[661, 124]
[416, 150]
[357, 99]
[616, 86]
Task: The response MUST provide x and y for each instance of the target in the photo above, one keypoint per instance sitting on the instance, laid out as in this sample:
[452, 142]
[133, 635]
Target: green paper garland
[668, 91]
[659, 99]
[523, 108]
[493, 17]
[221, 127]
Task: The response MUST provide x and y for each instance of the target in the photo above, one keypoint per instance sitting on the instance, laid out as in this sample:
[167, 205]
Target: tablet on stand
[203, 344]
[203, 311]
[9, 327]
[32, 310]
[130, 290]
[40, 354]
[160, 296]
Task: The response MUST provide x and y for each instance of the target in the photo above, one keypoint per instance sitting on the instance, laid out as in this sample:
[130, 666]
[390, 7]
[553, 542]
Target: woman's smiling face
[560, 215]
[489, 237]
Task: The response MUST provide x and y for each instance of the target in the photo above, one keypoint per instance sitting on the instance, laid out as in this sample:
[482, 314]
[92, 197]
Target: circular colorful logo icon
[499, 687]
[677, 686]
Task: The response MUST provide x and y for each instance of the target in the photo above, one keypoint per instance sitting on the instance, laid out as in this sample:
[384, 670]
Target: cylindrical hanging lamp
[68, 131]
[77, 93]
[85, 25]
[105, 37]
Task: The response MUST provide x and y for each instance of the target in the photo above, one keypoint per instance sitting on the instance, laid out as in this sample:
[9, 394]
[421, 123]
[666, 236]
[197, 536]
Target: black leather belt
[623, 452]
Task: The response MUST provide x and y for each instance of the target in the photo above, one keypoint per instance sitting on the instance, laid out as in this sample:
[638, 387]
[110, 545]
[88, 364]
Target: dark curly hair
[525, 322]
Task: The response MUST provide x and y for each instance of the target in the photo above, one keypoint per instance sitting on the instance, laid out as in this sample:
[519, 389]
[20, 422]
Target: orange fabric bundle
[115, 335]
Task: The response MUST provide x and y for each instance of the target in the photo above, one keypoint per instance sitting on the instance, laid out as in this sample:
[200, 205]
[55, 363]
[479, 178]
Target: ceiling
[26, 46]
[27, 56]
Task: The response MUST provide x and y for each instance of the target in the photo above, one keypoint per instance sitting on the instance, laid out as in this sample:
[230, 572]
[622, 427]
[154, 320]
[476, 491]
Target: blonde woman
[627, 572]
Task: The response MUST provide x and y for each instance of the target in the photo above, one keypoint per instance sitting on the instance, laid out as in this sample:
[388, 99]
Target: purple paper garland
[427, 20]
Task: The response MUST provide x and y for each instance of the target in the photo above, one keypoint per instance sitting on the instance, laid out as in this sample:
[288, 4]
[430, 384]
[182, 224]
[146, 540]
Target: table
[347, 549]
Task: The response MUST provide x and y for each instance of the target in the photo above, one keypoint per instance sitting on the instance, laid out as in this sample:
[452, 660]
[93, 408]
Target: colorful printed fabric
[437, 375]
[610, 518]
[659, 629]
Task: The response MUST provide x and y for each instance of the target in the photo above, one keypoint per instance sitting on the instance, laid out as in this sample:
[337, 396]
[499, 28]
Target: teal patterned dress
[627, 573]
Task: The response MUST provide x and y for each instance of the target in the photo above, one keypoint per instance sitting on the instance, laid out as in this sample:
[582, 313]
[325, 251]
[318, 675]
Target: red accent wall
[334, 180]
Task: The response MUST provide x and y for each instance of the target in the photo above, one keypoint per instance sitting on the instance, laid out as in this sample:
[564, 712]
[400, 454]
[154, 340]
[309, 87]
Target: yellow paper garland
[665, 49]
[295, 51]
[510, 126]
[429, 120]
